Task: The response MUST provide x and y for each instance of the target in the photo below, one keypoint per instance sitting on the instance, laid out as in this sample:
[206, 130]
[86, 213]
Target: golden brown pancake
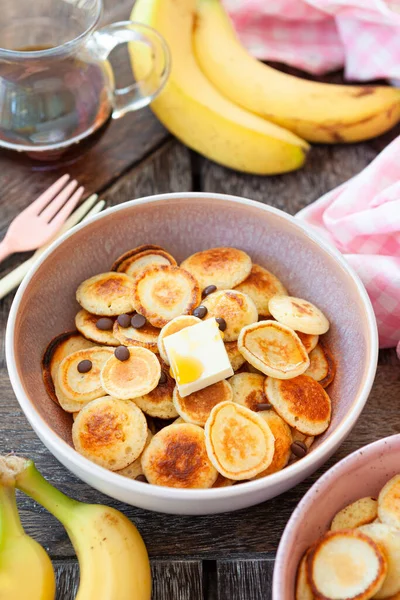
[358, 513]
[158, 402]
[261, 285]
[131, 378]
[298, 314]
[165, 292]
[346, 564]
[223, 482]
[86, 323]
[248, 389]
[236, 308]
[177, 457]
[135, 468]
[236, 359]
[389, 502]
[239, 442]
[135, 261]
[110, 432]
[303, 588]
[145, 336]
[283, 441]
[222, 267]
[297, 436]
[195, 408]
[60, 347]
[309, 341]
[273, 349]
[75, 389]
[388, 539]
[302, 402]
[322, 366]
[108, 294]
[177, 324]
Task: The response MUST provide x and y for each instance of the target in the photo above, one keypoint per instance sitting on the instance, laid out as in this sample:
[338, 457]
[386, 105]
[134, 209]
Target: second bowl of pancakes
[178, 369]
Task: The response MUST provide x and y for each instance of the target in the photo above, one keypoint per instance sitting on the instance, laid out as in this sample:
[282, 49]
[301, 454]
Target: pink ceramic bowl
[184, 223]
[362, 473]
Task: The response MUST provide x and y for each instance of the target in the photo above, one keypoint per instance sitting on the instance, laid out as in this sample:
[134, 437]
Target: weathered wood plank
[172, 580]
[244, 579]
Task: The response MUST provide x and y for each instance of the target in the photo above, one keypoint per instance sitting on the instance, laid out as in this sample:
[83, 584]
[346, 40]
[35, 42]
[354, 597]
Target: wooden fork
[41, 220]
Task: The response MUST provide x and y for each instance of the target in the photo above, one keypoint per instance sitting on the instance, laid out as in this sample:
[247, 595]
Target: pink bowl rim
[289, 533]
[90, 469]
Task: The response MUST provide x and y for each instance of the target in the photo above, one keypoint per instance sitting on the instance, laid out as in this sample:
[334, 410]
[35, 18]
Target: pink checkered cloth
[322, 35]
[362, 219]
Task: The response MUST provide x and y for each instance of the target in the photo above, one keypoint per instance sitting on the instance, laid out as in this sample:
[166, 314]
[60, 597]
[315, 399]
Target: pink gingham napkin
[322, 35]
[362, 219]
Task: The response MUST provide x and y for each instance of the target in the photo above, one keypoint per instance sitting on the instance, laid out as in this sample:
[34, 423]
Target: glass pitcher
[56, 84]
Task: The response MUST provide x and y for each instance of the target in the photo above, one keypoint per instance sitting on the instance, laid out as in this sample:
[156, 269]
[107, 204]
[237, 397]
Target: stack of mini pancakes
[359, 558]
[113, 374]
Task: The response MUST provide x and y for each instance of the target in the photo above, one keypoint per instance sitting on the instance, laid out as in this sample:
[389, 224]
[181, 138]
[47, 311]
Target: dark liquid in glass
[59, 102]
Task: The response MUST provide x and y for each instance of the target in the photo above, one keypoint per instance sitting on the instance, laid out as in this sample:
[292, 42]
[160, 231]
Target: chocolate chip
[105, 324]
[124, 321]
[299, 449]
[221, 323]
[138, 321]
[141, 478]
[163, 378]
[122, 353]
[84, 366]
[263, 406]
[210, 289]
[200, 312]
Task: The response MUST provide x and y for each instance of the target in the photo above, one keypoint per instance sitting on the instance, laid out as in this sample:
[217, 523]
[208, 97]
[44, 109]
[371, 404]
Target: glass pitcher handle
[154, 53]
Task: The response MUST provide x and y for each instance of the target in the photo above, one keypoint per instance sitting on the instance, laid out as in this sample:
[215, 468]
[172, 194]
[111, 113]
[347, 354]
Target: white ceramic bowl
[184, 223]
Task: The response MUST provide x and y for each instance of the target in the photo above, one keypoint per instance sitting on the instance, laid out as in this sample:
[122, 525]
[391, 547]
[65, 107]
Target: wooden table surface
[223, 557]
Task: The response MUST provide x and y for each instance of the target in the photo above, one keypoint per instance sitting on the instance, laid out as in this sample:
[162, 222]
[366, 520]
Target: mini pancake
[302, 402]
[239, 442]
[133, 262]
[178, 421]
[236, 308]
[303, 588]
[248, 389]
[177, 324]
[223, 482]
[135, 468]
[236, 359]
[358, 513]
[145, 337]
[158, 402]
[60, 347]
[297, 436]
[222, 267]
[322, 366]
[261, 285]
[77, 389]
[389, 502]
[283, 441]
[195, 408]
[75, 414]
[274, 349]
[110, 432]
[165, 292]
[298, 314]
[309, 341]
[86, 323]
[131, 378]
[108, 294]
[177, 457]
[388, 539]
[346, 564]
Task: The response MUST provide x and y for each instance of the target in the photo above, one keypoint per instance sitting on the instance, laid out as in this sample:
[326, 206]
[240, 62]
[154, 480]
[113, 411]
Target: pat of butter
[197, 357]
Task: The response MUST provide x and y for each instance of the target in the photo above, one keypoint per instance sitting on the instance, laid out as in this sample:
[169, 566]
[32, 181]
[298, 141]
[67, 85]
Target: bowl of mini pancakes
[192, 353]
[343, 539]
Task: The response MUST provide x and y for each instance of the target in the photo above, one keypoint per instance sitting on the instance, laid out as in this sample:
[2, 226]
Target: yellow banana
[196, 113]
[112, 556]
[318, 112]
[26, 572]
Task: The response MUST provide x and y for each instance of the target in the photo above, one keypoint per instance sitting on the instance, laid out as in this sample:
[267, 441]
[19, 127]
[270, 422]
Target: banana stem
[10, 523]
[22, 473]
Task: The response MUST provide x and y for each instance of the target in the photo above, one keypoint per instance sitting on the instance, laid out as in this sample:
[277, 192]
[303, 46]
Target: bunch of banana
[235, 110]
[112, 556]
